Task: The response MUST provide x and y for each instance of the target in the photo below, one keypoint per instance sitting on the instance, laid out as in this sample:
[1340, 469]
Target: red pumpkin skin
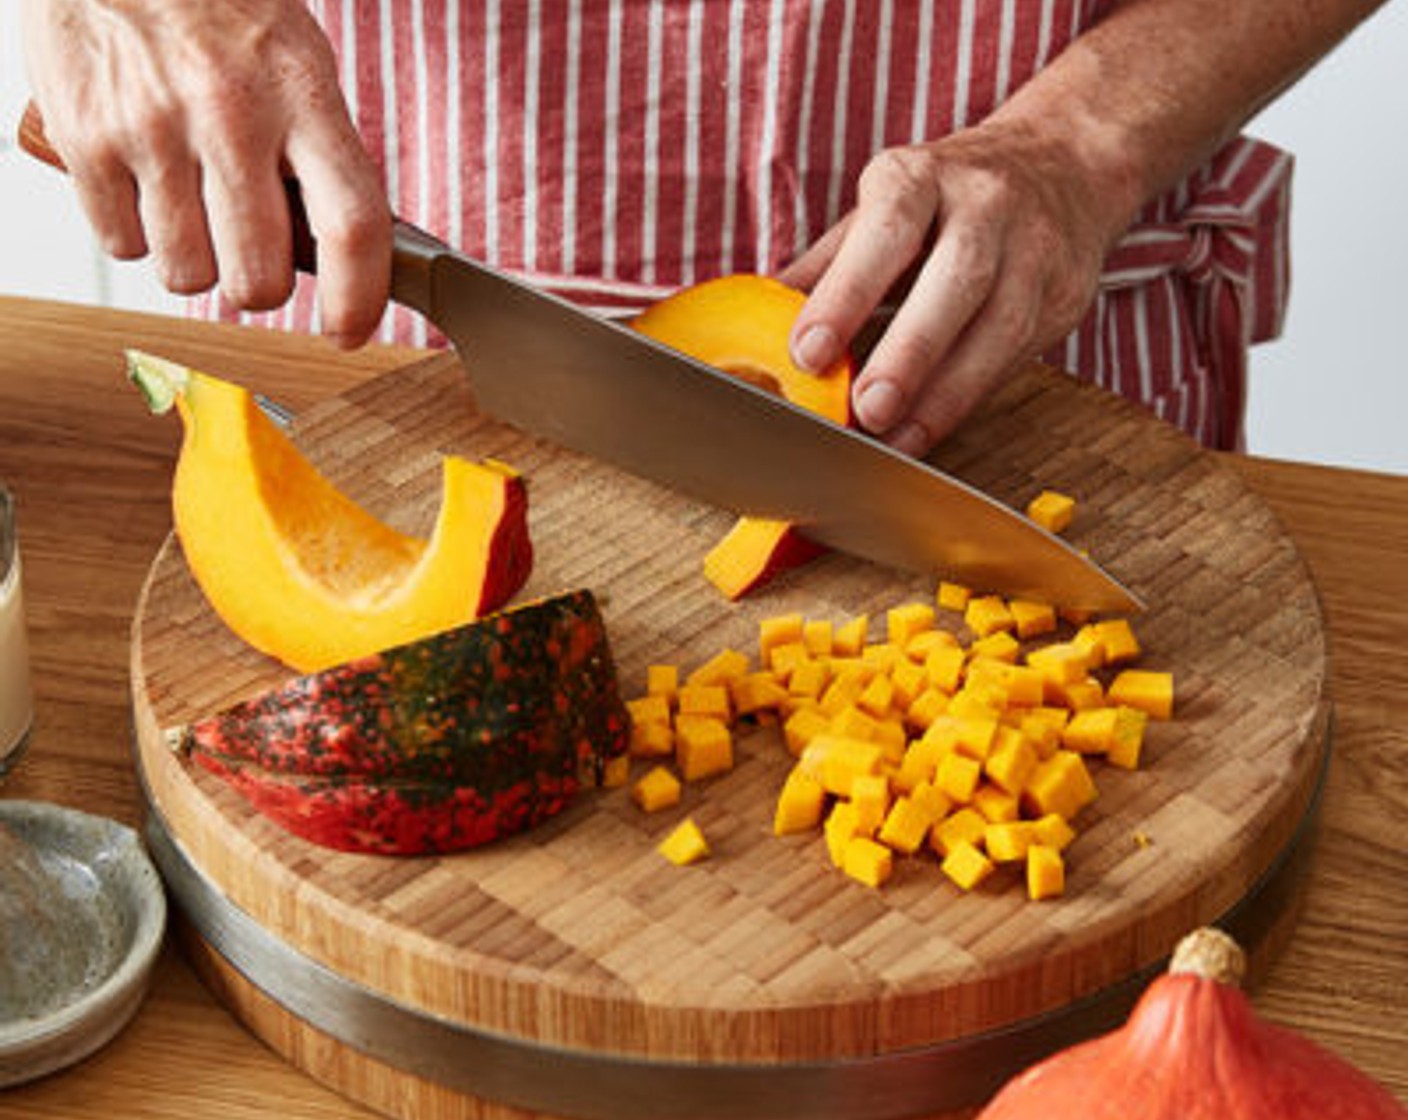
[435, 746]
[510, 551]
[1194, 1049]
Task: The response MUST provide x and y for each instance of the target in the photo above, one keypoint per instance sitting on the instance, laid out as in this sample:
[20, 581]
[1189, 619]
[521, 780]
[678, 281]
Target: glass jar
[16, 702]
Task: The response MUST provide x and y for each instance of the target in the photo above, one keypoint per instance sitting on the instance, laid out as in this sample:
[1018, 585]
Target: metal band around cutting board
[600, 1086]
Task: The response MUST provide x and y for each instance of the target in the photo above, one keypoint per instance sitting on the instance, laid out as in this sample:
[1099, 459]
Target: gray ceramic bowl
[82, 915]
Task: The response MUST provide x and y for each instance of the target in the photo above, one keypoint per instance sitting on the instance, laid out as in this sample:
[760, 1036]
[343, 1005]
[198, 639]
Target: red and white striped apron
[614, 150]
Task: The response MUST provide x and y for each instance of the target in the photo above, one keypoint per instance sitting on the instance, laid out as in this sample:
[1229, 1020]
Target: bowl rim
[136, 886]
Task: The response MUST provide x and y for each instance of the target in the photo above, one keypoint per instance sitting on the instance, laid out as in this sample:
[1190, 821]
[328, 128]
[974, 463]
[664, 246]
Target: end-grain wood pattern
[580, 935]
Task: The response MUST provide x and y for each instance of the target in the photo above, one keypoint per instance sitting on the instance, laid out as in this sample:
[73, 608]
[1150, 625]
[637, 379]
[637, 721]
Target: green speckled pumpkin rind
[435, 746]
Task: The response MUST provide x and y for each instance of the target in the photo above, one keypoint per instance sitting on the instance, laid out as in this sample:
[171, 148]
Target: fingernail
[879, 406]
[816, 349]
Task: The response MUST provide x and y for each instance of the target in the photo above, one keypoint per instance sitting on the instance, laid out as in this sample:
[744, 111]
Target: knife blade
[598, 388]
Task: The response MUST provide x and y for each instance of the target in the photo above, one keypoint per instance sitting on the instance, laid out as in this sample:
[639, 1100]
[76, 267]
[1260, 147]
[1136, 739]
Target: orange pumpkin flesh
[753, 551]
[1195, 1049]
[299, 570]
[742, 324]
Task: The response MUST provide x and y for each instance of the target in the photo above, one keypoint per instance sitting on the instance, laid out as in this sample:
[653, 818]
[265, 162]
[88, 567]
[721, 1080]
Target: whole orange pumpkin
[1195, 1049]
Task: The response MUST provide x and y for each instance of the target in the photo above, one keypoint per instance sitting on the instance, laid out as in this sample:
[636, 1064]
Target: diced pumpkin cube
[837, 761]
[658, 789]
[918, 648]
[652, 740]
[1042, 727]
[882, 656]
[1061, 663]
[1052, 510]
[845, 689]
[877, 696]
[974, 735]
[705, 700]
[941, 738]
[784, 660]
[757, 692]
[816, 636]
[1081, 696]
[649, 709]
[953, 596]
[890, 733]
[841, 827]
[616, 772]
[995, 803]
[802, 726]
[684, 845]
[703, 747]
[1091, 731]
[723, 667]
[1021, 685]
[1060, 784]
[870, 794]
[1032, 618]
[799, 805]
[1116, 636]
[920, 759]
[1046, 873]
[779, 631]
[988, 614]
[967, 866]
[1128, 740]
[867, 861]
[906, 826]
[848, 639]
[1008, 841]
[957, 775]
[809, 679]
[662, 680]
[998, 646]
[1053, 831]
[853, 723]
[926, 707]
[907, 681]
[1146, 689]
[931, 801]
[976, 701]
[1088, 639]
[944, 667]
[902, 623]
[1012, 762]
[965, 826]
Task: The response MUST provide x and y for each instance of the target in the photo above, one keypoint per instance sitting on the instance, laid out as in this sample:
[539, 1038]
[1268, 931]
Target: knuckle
[899, 186]
[354, 229]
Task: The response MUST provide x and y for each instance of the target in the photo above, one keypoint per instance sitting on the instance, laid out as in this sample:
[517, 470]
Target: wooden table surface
[91, 471]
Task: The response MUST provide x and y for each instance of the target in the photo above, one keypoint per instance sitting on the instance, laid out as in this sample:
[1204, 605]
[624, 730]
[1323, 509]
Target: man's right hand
[179, 121]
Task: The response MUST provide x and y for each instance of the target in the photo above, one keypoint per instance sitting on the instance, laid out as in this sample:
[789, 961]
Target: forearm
[1156, 87]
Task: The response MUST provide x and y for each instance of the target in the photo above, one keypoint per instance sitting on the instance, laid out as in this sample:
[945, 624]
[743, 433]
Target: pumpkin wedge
[741, 324]
[298, 569]
[442, 744]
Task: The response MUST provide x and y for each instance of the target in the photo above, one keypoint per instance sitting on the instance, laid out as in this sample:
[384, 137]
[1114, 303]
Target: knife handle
[413, 250]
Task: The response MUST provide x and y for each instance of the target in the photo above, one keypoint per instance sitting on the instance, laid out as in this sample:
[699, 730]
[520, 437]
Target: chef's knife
[601, 389]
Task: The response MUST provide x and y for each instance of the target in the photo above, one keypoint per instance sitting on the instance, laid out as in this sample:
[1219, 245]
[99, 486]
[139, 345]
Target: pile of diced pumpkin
[972, 742]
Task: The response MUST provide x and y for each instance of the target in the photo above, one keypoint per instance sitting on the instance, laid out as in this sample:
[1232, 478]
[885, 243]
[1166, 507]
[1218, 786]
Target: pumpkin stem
[1210, 954]
[159, 381]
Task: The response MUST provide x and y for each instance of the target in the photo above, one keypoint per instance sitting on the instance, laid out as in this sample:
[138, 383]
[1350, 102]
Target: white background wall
[1333, 389]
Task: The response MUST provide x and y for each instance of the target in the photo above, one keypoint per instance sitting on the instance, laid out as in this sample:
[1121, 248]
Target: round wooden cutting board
[573, 971]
